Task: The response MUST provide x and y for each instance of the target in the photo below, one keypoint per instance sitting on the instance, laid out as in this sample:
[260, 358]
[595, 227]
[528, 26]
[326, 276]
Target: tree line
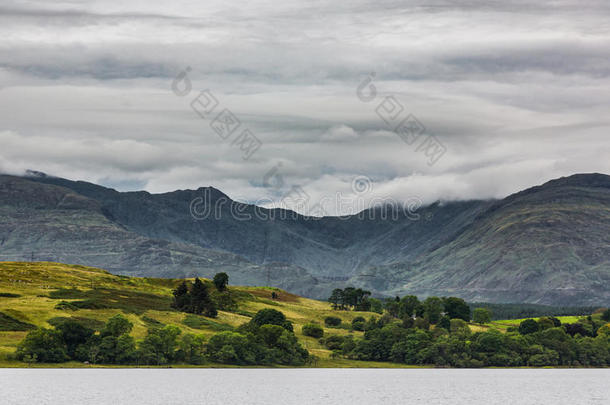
[451, 343]
[267, 339]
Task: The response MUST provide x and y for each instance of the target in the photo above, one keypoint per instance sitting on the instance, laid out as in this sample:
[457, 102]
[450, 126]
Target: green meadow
[42, 294]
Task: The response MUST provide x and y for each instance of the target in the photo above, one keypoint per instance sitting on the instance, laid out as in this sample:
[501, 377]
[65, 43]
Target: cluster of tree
[196, 298]
[520, 311]
[535, 343]
[350, 298]
[432, 308]
[267, 339]
[71, 340]
[313, 330]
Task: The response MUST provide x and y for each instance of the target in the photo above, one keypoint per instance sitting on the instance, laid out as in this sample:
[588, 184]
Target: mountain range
[549, 244]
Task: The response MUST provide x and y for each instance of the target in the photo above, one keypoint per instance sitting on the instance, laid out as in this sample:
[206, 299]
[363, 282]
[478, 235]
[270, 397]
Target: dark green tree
[409, 306]
[456, 308]
[201, 303]
[332, 321]
[313, 330]
[358, 323]
[528, 326]
[42, 345]
[270, 316]
[433, 306]
[74, 334]
[116, 326]
[221, 280]
[182, 298]
[481, 315]
[336, 298]
[444, 322]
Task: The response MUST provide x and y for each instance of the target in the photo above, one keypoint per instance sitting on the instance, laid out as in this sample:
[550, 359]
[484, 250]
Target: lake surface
[303, 386]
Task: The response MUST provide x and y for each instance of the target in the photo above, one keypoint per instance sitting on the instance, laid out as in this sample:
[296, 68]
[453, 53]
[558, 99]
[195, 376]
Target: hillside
[46, 295]
[549, 244]
[31, 292]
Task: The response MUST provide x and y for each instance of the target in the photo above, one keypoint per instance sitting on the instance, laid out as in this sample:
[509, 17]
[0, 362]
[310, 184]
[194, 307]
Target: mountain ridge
[431, 255]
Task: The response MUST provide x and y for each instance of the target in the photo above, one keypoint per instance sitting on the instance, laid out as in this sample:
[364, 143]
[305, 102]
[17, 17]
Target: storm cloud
[514, 93]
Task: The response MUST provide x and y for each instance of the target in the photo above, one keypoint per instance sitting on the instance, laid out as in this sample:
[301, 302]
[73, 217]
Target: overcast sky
[514, 93]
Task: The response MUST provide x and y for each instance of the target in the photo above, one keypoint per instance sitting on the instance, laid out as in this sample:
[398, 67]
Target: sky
[356, 102]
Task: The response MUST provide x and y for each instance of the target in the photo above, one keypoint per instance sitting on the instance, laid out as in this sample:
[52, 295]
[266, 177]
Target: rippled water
[303, 386]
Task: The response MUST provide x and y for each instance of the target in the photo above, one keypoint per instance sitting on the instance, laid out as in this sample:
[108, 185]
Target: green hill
[45, 295]
[39, 295]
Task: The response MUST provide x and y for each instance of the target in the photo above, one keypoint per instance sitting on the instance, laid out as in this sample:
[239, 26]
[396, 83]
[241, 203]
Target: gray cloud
[518, 92]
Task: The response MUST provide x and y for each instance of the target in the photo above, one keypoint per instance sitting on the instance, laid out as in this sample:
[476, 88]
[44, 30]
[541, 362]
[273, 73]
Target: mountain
[549, 244]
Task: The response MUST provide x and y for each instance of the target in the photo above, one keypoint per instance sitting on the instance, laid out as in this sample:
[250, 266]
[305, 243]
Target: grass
[44, 294]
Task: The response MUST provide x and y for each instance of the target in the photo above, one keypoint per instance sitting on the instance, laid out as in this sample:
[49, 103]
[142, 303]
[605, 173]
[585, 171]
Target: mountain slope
[548, 244]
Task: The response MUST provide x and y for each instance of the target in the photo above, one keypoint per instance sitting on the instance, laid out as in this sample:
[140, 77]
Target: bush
[358, 323]
[334, 342]
[528, 326]
[481, 316]
[313, 330]
[42, 345]
[332, 321]
[269, 316]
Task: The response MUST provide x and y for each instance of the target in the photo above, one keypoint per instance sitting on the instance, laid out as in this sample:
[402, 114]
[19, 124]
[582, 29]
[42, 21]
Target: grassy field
[40, 294]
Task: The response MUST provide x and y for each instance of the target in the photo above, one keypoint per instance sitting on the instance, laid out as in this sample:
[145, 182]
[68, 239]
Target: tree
[358, 323]
[444, 322]
[221, 280]
[456, 308]
[270, 316]
[160, 345]
[73, 334]
[313, 330]
[481, 315]
[336, 298]
[433, 306]
[116, 326]
[606, 315]
[528, 326]
[200, 300]
[192, 349]
[332, 321]
[409, 306]
[231, 348]
[43, 345]
[182, 299]
[376, 305]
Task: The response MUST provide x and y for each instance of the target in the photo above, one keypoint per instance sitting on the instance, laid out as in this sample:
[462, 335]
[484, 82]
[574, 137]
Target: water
[303, 386]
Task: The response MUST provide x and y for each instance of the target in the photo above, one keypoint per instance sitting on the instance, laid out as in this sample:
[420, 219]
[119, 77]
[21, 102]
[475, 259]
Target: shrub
[269, 316]
[334, 342]
[481, 316]
[528, 326]
[42, 345]
[313, 330]
[332, 321]
[358, 323]
[8, 323]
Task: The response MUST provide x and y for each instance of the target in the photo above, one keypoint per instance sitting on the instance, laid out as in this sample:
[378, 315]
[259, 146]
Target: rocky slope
[549, 244]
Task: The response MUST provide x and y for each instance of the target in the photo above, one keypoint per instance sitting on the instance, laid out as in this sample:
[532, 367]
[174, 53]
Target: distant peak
[581, 180]
[35, 173]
